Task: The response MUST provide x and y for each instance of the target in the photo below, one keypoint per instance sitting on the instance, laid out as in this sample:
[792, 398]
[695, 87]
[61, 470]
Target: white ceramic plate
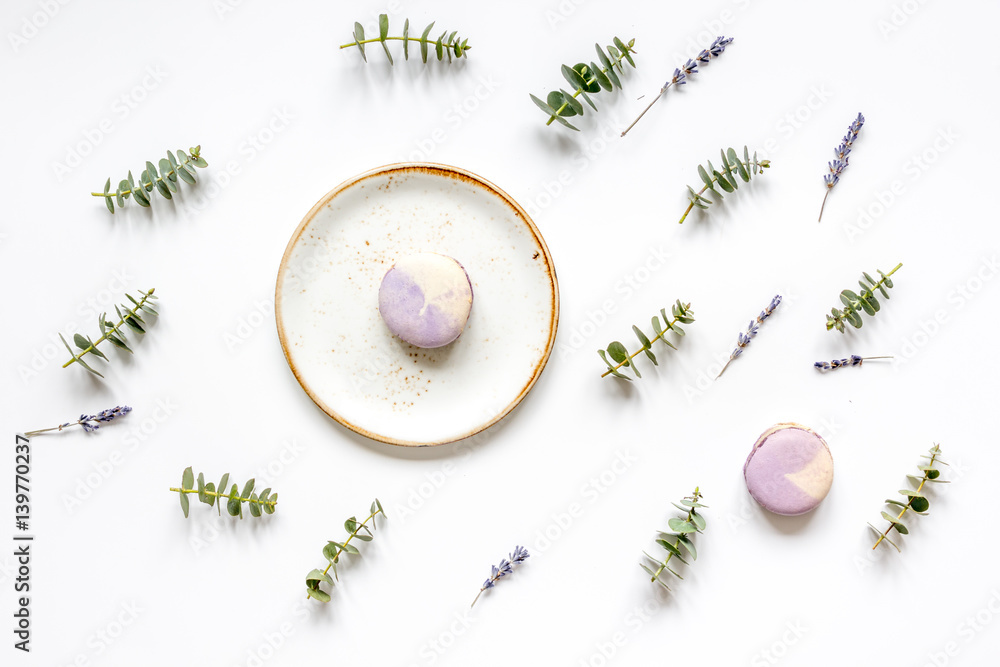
[326, 304]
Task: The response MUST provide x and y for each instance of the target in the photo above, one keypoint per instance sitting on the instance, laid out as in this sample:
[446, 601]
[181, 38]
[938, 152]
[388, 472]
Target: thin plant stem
[648, 107]
[173, 170]
[903, 511]
[824, 204]
[111, 330]
[658, 336]
[746, 163]
[340, 550]
[269, 503]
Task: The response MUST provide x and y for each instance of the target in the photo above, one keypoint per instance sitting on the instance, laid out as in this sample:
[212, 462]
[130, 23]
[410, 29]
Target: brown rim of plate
[439, 170]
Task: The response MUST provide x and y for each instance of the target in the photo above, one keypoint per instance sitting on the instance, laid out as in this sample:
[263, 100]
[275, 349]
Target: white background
[211, 388]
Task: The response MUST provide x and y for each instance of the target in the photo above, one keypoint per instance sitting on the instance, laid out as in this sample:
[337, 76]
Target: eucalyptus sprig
[683, 530]
[726, 179]
[586, 80]
[264, 503]
[165, 182]
[334, 550]
[866, 301]
[112, 332]
[916, 501]
[446, 44]
[620, 355]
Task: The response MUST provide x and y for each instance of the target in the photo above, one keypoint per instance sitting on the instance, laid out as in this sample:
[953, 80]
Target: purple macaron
[790, 469]
[425, 299]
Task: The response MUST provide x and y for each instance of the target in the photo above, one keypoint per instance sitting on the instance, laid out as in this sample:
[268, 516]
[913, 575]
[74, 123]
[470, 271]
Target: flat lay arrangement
[366, 295]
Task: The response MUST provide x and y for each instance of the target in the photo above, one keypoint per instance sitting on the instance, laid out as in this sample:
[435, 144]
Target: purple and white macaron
[790, 469]
[425, 299]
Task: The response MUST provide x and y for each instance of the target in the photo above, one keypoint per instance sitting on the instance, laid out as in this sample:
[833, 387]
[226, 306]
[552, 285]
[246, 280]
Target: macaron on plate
[396, 235]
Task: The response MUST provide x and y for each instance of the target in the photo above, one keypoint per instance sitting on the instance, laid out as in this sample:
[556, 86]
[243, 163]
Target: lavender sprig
[843, 153]
[855, 360]
[506, 567]
[745, 337]
[89, 423]
[687, 69]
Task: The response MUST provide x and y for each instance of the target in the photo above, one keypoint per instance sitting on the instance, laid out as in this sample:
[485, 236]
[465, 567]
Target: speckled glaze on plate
[342, 353]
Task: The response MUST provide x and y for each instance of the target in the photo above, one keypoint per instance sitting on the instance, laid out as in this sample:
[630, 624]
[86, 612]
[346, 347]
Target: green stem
[269, 503]
[867, 294]
[903, 511]
[409, 39]
[111, 330]
[173, 170]
[756, 164]
[660, 335]
[617, 61]
[350, 537]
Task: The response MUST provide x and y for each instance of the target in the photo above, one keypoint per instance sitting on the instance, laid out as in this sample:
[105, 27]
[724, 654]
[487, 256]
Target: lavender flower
[682, 73]
[89, 423]
[843, 153]
[855, 360]
[506, 567]
[744, 338]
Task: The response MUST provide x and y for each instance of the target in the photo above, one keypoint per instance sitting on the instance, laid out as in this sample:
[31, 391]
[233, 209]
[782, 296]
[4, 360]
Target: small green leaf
[685, 541]
[234, 506]
[625, 51]
[681, 526]
[209, 490]
[423, 41]
[318, 594]
[187, 479]
[698, 520]
[318, 575]
[359, 36]
[383, 32]
[611, 367]
[185, 504]
[601, 78]
[254, 505]
[919, 504]
[618, 352]
[406, 39]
